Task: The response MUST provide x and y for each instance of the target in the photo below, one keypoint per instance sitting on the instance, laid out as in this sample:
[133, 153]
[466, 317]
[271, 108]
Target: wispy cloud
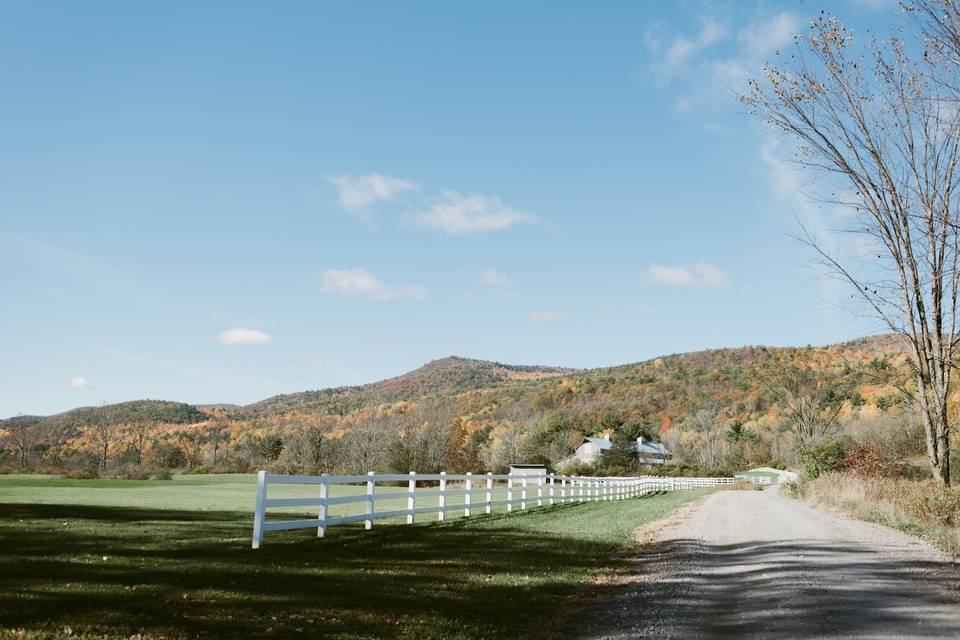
[709, 77]
[784, 177]
[240, 336]
[765, 36]
[539, 317]
[697, 275]
[78, 382]
[358, 194]
[672, 55]
[493, 278]
[456, 214]
[364, 284]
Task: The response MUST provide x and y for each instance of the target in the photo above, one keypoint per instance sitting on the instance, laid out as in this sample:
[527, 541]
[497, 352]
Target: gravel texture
[754, 564]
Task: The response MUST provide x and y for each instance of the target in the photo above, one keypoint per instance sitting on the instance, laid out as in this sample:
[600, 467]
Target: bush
[823, 455]
[868, 461]
[163, 474]
[937, 504]
[134, 473]
[83, 473]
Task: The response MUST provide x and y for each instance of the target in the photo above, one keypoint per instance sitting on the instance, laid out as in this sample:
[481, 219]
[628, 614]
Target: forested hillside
[717, 408]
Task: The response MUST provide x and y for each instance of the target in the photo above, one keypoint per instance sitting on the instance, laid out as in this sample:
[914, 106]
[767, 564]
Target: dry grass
[744, 485]
[917, 507]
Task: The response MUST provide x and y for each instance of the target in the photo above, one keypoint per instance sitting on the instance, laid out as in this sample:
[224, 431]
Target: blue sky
[217, 202]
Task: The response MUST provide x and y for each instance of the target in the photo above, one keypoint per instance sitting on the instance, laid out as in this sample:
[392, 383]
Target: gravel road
[752, 564]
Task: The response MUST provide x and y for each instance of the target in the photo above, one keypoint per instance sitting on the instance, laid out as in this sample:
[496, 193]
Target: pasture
[171, 559]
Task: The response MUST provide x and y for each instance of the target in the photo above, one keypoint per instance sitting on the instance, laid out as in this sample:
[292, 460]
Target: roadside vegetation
[176, 563]
[880, 477]
[921, 508]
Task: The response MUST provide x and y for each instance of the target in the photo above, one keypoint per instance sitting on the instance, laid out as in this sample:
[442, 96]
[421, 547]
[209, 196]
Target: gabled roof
[648, 448]
[602, 443]
[653, 448]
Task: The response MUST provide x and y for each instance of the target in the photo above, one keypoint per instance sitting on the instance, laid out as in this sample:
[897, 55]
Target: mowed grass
[153, 559]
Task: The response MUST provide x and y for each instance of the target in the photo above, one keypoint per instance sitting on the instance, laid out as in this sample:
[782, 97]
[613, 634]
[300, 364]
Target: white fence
[760, 480]
[480, 493]
[782, 474]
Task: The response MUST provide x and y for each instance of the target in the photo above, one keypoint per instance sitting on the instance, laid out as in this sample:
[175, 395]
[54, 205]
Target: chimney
[640, 441]
[606, 436]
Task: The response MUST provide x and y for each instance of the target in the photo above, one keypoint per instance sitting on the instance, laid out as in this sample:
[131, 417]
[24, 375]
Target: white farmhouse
[593, 447]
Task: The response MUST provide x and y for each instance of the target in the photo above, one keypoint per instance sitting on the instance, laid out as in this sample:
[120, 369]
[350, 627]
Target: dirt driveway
[751, 564]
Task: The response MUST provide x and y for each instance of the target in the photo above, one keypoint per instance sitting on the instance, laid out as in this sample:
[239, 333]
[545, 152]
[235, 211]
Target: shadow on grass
[117, 572]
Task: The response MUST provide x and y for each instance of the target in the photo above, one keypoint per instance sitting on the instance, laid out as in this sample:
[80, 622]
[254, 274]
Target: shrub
[134, 473]
[83, 473]
[868, 461]
[163, 474]
[937, 504]
[822, 455]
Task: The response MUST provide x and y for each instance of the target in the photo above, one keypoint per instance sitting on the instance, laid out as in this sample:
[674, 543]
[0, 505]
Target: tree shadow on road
[687, 589]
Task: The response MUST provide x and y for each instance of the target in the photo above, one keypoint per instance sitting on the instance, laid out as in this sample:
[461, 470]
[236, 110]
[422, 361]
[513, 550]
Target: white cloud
[458, 214]
[674, 55]
[763, 37]
[784, 177]
[357, 195]
[362, 283]
[539, 317]
[708, 81]
[697, 275]
[493, 278]
[78, 382]
[244, 336]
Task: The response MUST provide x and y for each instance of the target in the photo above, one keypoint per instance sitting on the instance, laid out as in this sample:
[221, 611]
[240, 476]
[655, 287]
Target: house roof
[654, 448]
[602, 443]
[649, 448]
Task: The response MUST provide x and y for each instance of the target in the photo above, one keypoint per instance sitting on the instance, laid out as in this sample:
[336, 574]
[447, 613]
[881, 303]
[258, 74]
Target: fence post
[563, 489]
[579, 481]
[259, 513]
[324, 495]
[411, 496]
[442, 504]
[523, 493]
[466, 496]
[371, 484]
[509, 493]
[539, 491]
[489, 496]
[551, 488]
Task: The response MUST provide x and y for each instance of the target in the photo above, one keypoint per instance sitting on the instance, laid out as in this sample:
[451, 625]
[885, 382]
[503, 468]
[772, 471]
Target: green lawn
[154, 559]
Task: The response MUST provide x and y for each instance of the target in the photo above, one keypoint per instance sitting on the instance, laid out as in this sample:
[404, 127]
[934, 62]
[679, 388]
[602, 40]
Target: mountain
[444, 377]
[459, 413]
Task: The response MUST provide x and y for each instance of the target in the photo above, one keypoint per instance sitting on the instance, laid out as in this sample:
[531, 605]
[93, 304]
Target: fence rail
[480, 493]
[782, 474]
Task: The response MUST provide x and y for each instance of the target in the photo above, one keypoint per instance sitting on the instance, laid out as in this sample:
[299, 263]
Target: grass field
[154, 559]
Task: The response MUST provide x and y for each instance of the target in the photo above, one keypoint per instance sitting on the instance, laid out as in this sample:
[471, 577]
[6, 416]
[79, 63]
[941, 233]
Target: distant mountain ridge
[447, 376]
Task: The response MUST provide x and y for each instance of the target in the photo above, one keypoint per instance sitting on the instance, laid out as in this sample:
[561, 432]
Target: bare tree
[23, 433]
[881, 130]
[101, 434]
[811, 400]
[138, 433]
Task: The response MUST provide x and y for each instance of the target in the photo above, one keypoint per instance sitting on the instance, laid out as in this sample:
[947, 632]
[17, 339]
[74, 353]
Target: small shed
[528, 470]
